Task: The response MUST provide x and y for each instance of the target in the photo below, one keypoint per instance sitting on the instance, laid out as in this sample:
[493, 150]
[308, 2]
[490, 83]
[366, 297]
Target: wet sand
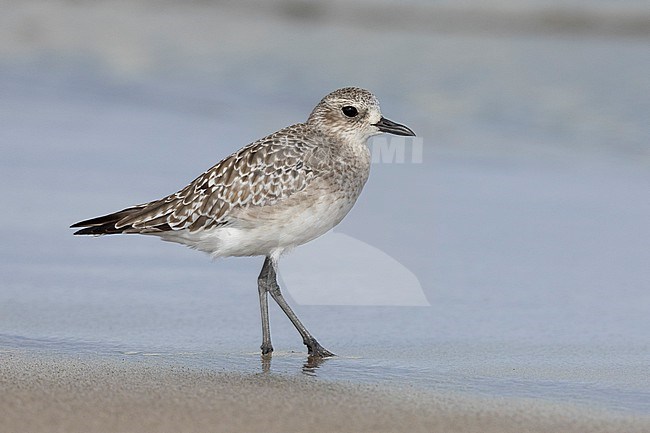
[86, 394]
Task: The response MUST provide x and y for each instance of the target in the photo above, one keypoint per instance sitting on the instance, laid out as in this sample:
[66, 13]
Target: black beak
[391, 127]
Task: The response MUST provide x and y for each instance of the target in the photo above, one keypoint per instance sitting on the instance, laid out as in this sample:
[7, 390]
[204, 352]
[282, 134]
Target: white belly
[268, 231]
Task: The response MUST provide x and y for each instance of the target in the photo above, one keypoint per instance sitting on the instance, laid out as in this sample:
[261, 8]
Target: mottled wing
[259, 174]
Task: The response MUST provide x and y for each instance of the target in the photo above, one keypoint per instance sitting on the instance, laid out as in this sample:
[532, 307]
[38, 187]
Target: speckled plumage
[273, 194]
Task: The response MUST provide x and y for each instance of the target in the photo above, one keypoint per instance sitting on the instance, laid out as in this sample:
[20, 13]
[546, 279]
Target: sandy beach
[71, 394]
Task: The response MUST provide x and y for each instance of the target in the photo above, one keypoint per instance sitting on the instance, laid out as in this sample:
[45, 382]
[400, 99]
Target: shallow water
[524, 226]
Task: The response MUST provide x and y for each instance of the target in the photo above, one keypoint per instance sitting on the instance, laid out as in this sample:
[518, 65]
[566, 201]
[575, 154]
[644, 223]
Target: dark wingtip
[103, 225]
[107, 229]
[85, 231]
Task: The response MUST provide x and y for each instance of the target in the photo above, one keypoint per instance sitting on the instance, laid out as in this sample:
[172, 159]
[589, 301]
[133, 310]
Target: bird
[270, 196]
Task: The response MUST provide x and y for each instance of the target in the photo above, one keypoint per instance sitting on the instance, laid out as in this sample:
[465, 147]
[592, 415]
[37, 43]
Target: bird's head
[353, 114]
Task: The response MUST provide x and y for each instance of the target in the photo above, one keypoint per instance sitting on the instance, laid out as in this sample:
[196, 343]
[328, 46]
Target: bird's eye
[349, 111]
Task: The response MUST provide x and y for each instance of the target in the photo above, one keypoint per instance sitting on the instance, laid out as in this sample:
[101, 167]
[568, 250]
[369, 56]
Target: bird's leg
[313, 347]
[263, 289]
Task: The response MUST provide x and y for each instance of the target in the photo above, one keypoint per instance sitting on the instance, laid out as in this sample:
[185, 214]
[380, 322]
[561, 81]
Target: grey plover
[274, 194]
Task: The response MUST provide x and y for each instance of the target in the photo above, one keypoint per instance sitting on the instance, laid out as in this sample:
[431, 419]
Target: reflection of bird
[272, 195]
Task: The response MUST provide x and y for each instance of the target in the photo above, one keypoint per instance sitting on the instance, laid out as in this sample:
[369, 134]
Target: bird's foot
[267, 349]
[316, 350]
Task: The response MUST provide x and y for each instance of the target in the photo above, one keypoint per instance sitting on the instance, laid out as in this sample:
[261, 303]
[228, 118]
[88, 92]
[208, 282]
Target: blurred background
[526, 223]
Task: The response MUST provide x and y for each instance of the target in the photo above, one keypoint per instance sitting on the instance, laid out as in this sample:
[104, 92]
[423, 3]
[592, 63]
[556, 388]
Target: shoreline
[52, 393]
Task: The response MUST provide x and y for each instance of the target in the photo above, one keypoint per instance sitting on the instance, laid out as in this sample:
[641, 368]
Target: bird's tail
[106, 224]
